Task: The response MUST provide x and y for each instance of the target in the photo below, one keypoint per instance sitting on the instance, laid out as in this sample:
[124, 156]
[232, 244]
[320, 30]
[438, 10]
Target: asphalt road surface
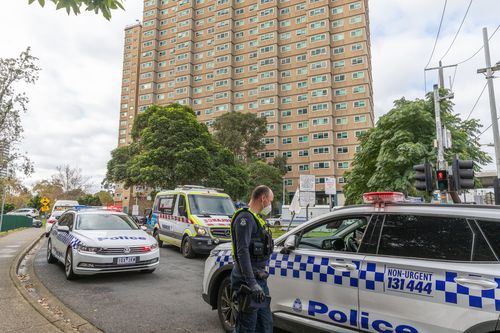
[169, 300]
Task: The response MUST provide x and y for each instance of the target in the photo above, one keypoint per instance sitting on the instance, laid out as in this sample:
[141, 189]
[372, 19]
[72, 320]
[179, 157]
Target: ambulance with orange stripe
[194, 218]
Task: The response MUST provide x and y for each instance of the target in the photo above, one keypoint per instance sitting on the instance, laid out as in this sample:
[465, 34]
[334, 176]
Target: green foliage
[89, 200]
[103, 6]
[8, 207]
[241, 133]
[262, 173]
[171, 148]
[35, 202]
[104, 197]
[404, 137]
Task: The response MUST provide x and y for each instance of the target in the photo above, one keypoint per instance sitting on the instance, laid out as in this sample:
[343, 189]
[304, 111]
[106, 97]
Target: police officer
[252, 247]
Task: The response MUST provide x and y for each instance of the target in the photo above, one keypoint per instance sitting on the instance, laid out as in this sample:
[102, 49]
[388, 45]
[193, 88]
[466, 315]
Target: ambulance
[193, 218]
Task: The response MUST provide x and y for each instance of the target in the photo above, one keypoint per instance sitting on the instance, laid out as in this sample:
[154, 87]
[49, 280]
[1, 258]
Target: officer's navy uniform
[252, 246]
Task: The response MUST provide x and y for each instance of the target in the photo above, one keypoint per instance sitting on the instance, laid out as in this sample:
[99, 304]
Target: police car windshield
[104, 222]
[207, 205]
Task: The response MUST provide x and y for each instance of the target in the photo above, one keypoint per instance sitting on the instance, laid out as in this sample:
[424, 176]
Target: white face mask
[266, 210]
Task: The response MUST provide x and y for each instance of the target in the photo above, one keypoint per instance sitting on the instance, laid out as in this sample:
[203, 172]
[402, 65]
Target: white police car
[90, 241]
[381, 267]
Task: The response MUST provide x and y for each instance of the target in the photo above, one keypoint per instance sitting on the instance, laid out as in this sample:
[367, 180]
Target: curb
[48, 305]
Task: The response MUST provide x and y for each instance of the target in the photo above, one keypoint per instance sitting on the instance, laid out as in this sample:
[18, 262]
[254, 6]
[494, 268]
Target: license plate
[126, 260]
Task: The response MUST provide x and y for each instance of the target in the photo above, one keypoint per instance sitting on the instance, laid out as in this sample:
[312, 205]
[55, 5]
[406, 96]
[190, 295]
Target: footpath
[17, 314]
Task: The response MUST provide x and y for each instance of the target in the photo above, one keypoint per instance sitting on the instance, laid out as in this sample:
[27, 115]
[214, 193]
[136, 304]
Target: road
[169, 300]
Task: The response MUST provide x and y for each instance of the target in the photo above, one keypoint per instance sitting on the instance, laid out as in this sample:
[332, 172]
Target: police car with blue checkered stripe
[90, 241]
[386, 266]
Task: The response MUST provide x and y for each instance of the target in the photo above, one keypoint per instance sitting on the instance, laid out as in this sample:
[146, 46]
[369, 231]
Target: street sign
[44, 209]
[330, 185]
[307, 198]
[295, 205]
[135, 210]
[307, 183]
[44, 201]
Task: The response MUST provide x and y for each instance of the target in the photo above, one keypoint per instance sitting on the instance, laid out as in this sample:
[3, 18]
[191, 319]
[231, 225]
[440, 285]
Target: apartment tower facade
[304, 65]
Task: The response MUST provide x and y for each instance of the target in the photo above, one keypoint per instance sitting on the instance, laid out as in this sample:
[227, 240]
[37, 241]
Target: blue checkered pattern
[68, 239]
[224, 257]
[312, 268]
[454, 293]
[373, 276]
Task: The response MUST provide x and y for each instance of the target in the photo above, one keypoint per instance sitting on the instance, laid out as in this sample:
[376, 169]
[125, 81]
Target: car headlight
[200, 231]
[154, 246]
[88, 249]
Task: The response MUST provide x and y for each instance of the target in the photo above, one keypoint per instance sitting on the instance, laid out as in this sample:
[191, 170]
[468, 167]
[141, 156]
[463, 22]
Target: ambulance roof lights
[383, 197]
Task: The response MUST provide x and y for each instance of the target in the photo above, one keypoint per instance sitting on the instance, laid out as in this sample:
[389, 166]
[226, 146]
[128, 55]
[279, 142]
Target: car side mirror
[289, 245]
[63, 228]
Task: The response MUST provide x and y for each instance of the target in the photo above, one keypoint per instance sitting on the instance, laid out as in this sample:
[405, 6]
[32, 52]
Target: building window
[343, 165]
[341, 135]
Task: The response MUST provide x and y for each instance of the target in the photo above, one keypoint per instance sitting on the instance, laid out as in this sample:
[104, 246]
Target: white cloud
[73, 114]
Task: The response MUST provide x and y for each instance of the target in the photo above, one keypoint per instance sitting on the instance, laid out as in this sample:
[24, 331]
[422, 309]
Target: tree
[89, 200]
[48, 189]
[71, 179]
[13, 71]
[8, 207]
[103, 6]
[105, 198]
[261, 173]
[404, 137]
[170, 147]
[35, 202]
[242, 133]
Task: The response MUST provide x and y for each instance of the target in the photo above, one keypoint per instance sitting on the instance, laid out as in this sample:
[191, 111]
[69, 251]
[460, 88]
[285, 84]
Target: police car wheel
[187, 248]
[50, 257]
[156, 235]
[226, 308]
[68, 265]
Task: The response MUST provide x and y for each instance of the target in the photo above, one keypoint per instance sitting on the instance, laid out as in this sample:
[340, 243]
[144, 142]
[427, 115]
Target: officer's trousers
[258, 321]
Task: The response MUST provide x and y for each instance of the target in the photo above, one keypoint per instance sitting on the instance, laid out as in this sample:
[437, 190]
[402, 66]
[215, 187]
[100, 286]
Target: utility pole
[441, 75]
[493, 109]
[439, 129]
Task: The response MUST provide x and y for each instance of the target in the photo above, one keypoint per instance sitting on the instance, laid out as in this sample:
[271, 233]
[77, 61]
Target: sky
[72, 116]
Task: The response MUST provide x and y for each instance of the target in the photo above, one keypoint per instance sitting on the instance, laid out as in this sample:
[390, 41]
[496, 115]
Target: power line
[458, 31]
[437, 36]
[479, 50]
[453, 80]
[477, 100]
[487, 128]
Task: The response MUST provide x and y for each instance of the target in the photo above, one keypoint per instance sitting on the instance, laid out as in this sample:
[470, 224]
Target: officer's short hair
[259, 191]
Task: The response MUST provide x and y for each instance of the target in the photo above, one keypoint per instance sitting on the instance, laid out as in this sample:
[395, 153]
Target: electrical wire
[479, 50]
[477, 100]
[453, 79]
[437, 36]
[487, 128]
[458, 31]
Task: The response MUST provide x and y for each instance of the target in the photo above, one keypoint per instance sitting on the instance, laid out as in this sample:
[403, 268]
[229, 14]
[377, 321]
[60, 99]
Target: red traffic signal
[442, 179]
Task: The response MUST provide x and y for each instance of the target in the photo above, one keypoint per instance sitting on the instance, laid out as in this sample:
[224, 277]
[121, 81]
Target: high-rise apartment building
[302, 64]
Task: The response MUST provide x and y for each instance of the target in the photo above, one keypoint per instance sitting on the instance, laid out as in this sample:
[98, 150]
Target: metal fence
[15, 221]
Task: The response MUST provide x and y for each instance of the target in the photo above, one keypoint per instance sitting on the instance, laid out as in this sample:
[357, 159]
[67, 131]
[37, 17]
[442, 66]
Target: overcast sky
[73, 110]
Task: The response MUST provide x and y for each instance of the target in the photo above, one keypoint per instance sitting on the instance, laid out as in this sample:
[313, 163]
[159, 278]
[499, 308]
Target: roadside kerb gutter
[42, 300]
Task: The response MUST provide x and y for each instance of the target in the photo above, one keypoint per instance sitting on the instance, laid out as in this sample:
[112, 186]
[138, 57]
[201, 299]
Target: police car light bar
[383, 197]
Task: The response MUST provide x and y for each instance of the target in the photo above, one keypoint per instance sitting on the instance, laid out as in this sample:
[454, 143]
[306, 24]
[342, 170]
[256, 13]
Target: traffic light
[463, 174]
[442, 179]
[423, 177]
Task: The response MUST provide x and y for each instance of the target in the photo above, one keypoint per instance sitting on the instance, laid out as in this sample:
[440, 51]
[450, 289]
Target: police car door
[421, 277]
[316, 285]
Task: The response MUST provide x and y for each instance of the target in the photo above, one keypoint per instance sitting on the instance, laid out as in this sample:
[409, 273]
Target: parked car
[37, 223]
[29, 212]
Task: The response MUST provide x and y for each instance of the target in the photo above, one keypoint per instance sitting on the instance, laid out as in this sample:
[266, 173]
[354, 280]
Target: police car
[90, 241]
[386, 266]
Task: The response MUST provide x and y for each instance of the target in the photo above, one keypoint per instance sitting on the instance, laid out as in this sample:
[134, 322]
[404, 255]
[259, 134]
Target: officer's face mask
[267, 207]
